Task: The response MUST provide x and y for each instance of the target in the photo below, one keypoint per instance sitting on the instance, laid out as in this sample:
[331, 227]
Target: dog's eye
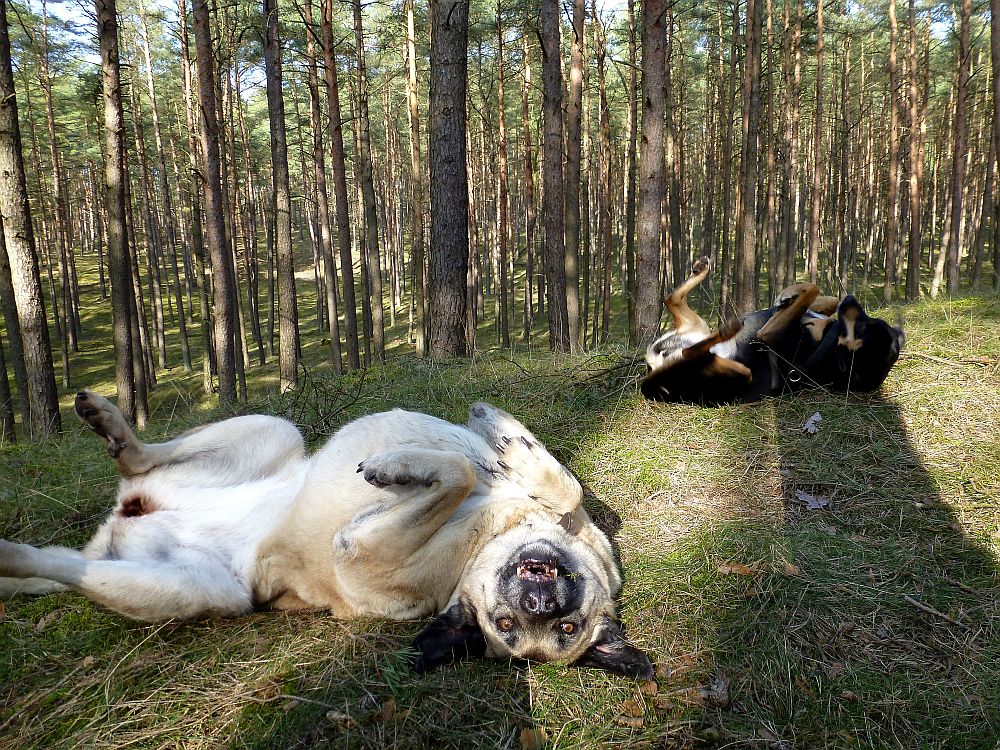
[505, 624]
[567, 627]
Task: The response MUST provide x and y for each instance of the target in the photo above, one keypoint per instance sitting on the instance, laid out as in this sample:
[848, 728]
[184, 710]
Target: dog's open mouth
[537, 570]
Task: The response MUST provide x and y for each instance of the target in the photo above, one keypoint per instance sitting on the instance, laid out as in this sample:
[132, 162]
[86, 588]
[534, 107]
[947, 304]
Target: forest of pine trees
[230, 180]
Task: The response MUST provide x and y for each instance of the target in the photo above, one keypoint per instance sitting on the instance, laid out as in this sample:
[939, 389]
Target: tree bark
[553, 177]
[744, 281]
[959, 154]
[417, 181]
[916, 166]
[223, 281]
[368, 190]
[449, 187]
[651, 170]
[339, 170]
[288, 316]
[818, 169]
[574, 105]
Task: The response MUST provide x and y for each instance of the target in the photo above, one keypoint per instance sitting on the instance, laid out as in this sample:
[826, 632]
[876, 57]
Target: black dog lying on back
[793, 345]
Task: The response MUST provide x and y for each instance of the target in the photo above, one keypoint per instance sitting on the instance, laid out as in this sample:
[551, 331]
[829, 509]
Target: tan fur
[400, 515]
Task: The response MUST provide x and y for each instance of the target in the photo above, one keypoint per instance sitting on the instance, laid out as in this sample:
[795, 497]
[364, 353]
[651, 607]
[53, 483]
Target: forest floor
[872, 621]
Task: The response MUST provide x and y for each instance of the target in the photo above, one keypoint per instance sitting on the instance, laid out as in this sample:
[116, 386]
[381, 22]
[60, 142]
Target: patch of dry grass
[871, 622]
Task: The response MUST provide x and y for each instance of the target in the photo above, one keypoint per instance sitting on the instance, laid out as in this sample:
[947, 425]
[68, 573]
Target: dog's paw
[104, 418]
[393, 468]
[791, 293]
[700, 265]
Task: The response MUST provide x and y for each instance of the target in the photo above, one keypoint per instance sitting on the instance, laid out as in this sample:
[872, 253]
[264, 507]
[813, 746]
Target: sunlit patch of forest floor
[872, 620]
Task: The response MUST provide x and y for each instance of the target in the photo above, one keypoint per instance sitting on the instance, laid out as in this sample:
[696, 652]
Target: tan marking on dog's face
[816, 327]
[852, 342]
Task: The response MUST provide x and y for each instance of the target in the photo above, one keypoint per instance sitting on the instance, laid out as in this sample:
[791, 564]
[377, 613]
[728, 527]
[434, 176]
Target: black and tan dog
[797, 343]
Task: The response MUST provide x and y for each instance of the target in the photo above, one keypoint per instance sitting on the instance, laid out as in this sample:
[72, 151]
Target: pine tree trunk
[916, 167]
[7, 434]
[651, 170]
[417, 182]
[449, 188]
[8, 307]
[818, 168]
[371, 247]
[995, 66]
[959, 155]
[223, 281]
[574, 105]
[530, 216]
[288, 317]
[503, 230]
[744, 282]
[339, 169]
[322, 199]
[115, 205]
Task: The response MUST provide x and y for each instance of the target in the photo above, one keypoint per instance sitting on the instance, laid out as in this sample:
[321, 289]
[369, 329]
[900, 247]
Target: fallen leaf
[88, 662]
[662, 702]
[386, 711]
[533, 738]
[812, 424]
[737, 568]
[633, 722]
[802, 684]
[834, 669]
[812, 502]
[649, 688]
[632, 708]
[341, 720]
[716, 693]
[847, 695]
[831, 530]
[792, 570]
[290, 704]
[49, 619]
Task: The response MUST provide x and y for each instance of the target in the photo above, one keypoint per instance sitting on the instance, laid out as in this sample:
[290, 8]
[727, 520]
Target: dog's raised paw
[385, 470]
[104, 418]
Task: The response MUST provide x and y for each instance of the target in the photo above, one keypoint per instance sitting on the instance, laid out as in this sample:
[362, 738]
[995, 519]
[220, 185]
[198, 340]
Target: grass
[871, 622]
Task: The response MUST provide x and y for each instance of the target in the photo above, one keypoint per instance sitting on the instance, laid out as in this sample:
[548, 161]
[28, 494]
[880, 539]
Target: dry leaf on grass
[812, 424]
[792, 570]
[649, 687]
[716, 693]
[385, 712]
[737, 568]
[533, 738]
[632, 708]
[811, 501]
[633, 722]
[47, 620]
[341, 720]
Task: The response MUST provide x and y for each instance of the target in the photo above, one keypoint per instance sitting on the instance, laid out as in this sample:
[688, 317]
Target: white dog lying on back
[400, 515]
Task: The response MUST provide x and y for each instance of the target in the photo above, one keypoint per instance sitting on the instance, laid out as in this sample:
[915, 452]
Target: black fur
[612, 653]
[793, 360]
[454, 635]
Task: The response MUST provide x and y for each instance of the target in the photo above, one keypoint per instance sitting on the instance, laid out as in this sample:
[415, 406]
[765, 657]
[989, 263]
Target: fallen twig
[931, 611]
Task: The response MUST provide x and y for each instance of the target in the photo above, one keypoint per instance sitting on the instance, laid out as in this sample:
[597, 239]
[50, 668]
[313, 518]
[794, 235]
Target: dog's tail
[31, 586]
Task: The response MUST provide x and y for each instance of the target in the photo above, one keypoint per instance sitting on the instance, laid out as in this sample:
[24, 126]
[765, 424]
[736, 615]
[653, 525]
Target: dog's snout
[538, 602]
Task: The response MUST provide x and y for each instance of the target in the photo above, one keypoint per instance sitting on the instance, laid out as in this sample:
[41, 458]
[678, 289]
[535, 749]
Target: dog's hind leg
[230, 451]
[793, 301]
[687, 320]
[145, 591]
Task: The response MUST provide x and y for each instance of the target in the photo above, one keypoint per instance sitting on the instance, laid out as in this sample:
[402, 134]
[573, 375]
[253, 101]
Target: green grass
[872, 623]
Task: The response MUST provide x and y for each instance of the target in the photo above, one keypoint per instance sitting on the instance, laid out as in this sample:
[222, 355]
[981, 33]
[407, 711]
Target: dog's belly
[158, 521]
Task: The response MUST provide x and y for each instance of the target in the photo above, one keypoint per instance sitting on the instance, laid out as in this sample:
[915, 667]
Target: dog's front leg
[423, 488]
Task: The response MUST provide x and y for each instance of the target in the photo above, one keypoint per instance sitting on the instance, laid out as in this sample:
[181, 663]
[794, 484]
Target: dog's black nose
[538, 602]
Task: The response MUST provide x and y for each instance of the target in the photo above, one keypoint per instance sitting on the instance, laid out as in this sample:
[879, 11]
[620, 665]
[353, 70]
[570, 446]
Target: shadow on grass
[871, 621]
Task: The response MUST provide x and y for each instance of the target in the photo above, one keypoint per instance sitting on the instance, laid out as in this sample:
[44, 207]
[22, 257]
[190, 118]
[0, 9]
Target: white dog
[400, 515]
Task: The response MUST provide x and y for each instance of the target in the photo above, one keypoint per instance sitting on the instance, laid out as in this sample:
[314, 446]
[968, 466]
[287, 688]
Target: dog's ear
[611, 652]
[455, 634]
[849, 307]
